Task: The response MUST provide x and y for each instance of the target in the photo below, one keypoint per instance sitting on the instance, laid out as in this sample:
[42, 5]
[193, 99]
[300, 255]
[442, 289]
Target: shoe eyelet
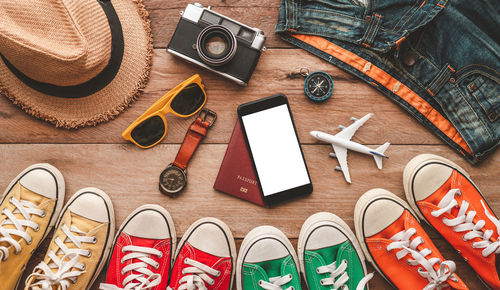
[84, 267]
[260, 282]
[290, 276]
[160, 255]
[211, 283]
[218, 273]
[94, 240]
[29, 242]
[321, 282]
[157, 266]
[463, 238]
[123, 273]
[292, 288]
[11, 199]
[37, 228]
[44, 214]
[89, 254]
[17, 252]
[317, 270]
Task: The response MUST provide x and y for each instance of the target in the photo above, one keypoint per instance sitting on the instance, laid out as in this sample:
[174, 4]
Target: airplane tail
[378, 154]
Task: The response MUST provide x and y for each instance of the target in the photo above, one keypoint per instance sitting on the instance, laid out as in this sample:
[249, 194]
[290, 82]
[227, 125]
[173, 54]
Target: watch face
[318, 86]
[172, 180]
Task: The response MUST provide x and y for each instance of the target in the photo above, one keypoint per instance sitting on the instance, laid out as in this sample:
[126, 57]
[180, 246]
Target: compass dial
[318, 86]
[172, 180]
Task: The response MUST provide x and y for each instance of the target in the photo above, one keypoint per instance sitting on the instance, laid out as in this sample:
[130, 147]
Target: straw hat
[74, 63]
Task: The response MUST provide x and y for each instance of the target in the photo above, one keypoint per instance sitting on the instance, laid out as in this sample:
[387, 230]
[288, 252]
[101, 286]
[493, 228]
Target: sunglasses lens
[149, 131]
[189, 100]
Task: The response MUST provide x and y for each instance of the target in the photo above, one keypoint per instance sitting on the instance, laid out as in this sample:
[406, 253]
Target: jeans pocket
[486, 91]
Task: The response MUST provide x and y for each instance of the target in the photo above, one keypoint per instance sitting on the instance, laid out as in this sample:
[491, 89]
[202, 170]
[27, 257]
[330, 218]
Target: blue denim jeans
[438, 59]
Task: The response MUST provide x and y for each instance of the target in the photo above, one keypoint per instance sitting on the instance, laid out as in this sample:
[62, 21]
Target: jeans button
[409, 58]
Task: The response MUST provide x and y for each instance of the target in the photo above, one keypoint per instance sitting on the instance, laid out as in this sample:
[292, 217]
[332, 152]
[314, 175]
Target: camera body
[217, 43]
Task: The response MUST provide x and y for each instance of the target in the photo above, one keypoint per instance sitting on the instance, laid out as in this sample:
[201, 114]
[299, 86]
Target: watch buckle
[208, 115]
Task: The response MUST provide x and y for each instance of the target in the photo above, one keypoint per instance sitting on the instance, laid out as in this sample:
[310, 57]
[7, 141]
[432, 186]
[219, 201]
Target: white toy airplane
[342, 141]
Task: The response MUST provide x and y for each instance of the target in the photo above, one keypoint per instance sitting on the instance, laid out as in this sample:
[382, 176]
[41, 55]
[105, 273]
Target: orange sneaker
[442, 194]
[398, 247]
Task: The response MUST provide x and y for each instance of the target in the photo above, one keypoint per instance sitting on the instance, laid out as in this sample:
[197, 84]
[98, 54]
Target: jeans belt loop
[292, 13]
[372, 29]
[441, 78]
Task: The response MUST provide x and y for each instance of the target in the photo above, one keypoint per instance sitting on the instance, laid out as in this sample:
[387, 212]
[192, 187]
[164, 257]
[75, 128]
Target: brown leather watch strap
[197, 131]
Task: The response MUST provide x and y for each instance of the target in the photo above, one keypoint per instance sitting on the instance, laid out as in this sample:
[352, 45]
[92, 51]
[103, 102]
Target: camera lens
[216, 45]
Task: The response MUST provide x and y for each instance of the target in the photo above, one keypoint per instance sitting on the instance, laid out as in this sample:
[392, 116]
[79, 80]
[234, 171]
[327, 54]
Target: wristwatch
[174, 178]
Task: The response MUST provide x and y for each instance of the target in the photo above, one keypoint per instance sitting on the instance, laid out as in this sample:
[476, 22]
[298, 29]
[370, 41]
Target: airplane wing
[348, 132]
[341, 155]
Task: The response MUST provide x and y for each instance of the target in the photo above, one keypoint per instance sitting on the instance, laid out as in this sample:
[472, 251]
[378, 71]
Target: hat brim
[107, 103]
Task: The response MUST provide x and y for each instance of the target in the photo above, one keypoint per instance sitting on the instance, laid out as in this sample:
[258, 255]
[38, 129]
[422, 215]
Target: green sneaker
[267, 260]
[330, 256]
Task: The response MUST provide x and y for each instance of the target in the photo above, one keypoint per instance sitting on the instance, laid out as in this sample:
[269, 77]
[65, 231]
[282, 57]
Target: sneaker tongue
[273, 268]
[206, 258]
[82, 223]
[19, 193]
[329, 255]
[141, 242]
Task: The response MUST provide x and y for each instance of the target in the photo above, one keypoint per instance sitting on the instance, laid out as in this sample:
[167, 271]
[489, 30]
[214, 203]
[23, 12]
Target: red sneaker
[142, 253]
[205, 257]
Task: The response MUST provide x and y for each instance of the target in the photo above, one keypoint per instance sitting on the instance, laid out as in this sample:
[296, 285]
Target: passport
[236, 174]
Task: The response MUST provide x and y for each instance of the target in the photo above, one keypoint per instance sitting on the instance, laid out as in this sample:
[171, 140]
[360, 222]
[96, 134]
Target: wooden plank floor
[99, 157]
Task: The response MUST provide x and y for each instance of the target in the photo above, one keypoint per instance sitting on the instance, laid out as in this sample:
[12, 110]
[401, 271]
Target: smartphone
[274, 147]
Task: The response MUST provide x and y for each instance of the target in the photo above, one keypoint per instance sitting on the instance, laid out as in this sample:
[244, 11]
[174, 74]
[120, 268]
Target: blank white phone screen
[275, 150]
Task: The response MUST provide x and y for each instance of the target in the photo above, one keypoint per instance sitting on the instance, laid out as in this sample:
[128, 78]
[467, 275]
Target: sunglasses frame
[162, 107]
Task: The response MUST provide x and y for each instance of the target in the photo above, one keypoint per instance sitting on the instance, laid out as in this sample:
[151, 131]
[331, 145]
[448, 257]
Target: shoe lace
[340, 272]
[196, 276]
[275, 283]
[437, 279]
[44, 275]
[145, 278]
[26, 209]
[464, 223]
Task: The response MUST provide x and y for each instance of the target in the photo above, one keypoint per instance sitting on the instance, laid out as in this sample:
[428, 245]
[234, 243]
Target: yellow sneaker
[29, 208]
[80, 246]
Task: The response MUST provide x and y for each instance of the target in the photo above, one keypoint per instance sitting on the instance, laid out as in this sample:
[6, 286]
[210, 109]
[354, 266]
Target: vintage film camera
[217, 43]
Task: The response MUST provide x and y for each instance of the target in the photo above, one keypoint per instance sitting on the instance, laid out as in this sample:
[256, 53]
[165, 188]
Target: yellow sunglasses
[185, 100]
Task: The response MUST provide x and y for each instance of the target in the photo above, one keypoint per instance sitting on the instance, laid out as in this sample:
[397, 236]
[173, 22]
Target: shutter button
[409, 58]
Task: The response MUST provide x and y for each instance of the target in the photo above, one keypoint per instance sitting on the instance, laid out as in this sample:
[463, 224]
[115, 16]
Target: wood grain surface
[99, 157]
